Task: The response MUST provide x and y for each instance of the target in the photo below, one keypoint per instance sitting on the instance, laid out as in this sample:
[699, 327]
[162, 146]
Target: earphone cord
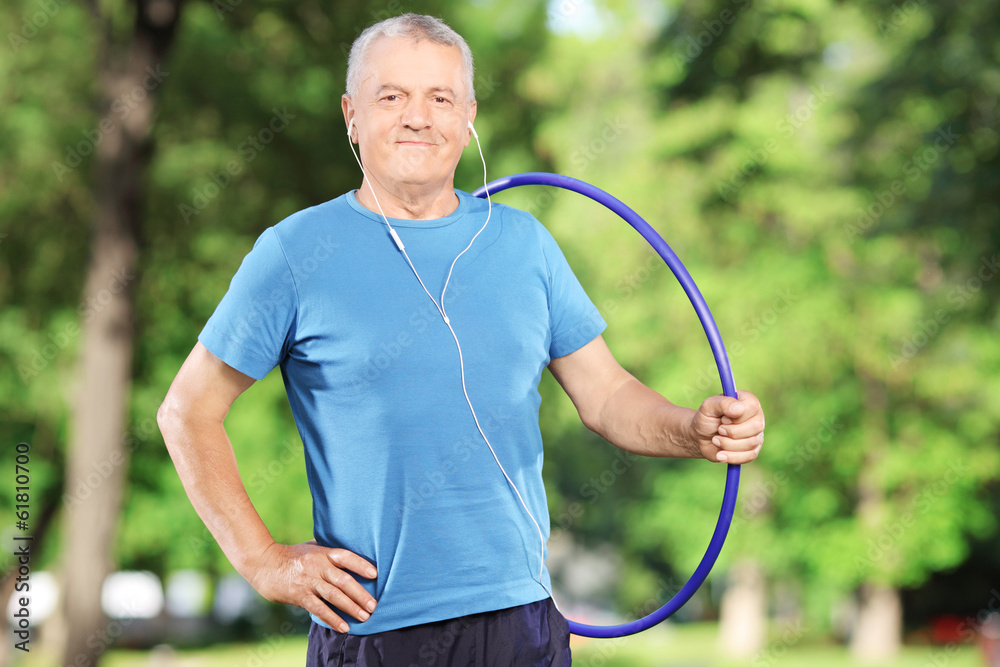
[447, 321]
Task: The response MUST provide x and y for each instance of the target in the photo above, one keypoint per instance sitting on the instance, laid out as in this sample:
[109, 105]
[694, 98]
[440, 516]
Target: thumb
[717, 406]
[734, 409]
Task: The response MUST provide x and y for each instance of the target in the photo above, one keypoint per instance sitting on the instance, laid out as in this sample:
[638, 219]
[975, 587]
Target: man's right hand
[306, 574]
[191, 420]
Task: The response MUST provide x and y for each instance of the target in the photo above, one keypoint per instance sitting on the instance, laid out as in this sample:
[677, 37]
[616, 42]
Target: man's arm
[630, 415]
[191, 421]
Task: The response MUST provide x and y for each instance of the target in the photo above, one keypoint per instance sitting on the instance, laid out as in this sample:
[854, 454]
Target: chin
[418, 174]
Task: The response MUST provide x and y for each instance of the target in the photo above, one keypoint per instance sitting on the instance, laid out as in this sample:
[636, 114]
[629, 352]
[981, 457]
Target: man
[425, 511]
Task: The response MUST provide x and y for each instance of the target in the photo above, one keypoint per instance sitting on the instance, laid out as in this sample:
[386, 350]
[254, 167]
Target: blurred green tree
[826, 171]
[798, 151]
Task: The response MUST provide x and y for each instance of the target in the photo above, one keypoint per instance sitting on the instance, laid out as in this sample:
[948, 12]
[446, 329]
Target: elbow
[591, 418]
[166, 417]
[601, 412]
[162, 418]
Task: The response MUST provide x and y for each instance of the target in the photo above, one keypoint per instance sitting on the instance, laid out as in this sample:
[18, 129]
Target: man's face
[412, 113]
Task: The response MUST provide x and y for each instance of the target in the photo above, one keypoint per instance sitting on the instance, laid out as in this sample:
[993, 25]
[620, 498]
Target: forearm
[205, 462]
[639, 420]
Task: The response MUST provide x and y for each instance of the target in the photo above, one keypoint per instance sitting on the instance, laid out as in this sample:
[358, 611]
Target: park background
[828, 172]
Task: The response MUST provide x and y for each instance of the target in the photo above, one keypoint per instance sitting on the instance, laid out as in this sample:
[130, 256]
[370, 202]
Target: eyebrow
[396, 86]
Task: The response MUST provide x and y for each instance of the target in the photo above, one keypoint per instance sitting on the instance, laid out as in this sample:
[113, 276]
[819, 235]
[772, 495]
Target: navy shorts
[531, 635]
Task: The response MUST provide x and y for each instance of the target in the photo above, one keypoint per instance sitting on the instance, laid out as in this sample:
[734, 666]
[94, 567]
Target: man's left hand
[729, 430]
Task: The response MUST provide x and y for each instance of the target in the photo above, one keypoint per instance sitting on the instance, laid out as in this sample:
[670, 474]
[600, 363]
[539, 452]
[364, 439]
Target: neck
[409, 203]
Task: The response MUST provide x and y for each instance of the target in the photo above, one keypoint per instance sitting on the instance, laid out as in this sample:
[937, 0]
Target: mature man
[424, 464]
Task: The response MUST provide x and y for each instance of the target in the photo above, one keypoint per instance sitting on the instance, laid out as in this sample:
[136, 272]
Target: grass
[671, 646]
[697, 645]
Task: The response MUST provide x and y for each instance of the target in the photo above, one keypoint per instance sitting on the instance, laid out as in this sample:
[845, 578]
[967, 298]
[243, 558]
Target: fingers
[310, 576]
[314, 605]
[321, 579]
[742, 450]
[738, 458]
[343, 590]
[353, 562]
[746, 429]
[738, 427]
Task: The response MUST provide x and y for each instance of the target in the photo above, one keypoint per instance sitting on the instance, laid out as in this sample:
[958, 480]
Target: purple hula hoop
[721, 361]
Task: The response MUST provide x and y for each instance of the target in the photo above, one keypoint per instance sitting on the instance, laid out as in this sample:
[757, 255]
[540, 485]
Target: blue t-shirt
[398, 471]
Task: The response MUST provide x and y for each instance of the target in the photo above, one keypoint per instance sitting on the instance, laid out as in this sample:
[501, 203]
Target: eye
[390, 98]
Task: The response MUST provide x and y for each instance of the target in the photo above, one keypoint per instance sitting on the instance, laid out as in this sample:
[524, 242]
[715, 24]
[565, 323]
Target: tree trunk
[743, 613]
[879, 625]
[97, 457]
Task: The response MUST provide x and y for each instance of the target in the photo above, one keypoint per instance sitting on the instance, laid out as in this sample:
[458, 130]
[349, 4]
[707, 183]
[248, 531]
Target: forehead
[422, 65]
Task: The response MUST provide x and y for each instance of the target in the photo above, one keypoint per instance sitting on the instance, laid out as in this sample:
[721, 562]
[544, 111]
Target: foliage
[826, 170]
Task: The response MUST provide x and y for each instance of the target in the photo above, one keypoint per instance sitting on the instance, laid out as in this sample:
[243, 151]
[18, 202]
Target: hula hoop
[721, 361]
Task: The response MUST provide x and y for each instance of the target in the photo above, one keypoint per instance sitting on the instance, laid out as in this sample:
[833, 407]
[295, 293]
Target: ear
[347, 106]
[472, 119]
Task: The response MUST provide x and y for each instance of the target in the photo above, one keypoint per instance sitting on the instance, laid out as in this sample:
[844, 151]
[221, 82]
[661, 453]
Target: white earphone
[444, 316]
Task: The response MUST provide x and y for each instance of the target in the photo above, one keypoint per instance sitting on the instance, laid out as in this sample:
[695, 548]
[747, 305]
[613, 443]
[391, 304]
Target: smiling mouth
[414, 143]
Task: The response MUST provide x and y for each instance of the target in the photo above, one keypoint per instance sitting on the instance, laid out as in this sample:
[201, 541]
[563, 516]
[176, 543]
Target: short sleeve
[252, 327]
[574, 320]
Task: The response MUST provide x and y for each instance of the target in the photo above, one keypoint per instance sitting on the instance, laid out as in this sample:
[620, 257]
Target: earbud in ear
[350, 126]
[473, 130]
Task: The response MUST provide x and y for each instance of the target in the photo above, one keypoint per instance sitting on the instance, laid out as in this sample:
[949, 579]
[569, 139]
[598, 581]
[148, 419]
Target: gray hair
[416, 27]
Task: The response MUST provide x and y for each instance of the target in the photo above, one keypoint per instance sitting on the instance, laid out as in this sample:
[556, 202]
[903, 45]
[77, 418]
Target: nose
[416, 115]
